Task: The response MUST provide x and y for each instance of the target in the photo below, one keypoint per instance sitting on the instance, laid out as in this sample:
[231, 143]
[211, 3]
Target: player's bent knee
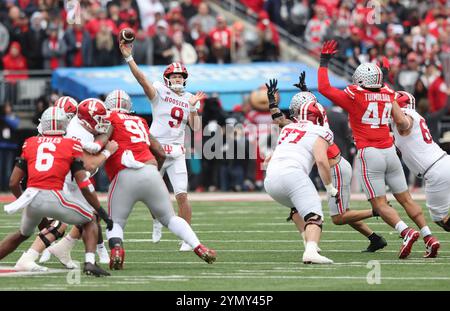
[53, 229]
[337, 220]
[313, 219]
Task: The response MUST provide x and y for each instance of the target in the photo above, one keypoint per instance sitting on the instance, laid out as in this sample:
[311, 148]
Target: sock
[33, 254]
[425, 231]
[303, 239]
[400, 226]
[89, 257]
[373, 237]
[100, 246]
[181, 229]
[312, 246]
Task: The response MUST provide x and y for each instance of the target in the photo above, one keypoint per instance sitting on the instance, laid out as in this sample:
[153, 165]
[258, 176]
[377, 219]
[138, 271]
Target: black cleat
[375, 245]
[93, 269]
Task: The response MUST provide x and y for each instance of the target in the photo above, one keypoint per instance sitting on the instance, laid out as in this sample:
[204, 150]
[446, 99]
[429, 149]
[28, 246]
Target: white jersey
[76, 131]
[418, 149]
[295, 147]
[170, 115]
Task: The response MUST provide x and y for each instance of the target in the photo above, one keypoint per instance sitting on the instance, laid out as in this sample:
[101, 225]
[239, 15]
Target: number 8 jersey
[170, 115]
[131, 134]
[295, 147]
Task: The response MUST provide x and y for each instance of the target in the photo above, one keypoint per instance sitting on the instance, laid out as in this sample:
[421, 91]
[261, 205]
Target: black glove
[301, 82]
[271, 91]
[104, 216]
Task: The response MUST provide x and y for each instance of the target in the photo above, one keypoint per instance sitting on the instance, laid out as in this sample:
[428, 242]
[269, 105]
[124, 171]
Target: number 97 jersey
[170, 115]
[131, 134]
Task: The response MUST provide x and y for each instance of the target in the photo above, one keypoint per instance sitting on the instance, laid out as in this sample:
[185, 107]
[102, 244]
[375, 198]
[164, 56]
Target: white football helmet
[53, 121]
[299, 99]
[368, 75]
[118, 100]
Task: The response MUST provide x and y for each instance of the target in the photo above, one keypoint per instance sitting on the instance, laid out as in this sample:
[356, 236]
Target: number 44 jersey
[131, 134]
[295, 147]
[49, 159]
[170, 115]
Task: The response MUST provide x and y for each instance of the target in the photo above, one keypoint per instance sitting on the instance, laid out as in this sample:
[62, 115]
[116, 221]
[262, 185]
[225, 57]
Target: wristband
[192, 109]
[106, 153]
[276, 115]
[129, 58]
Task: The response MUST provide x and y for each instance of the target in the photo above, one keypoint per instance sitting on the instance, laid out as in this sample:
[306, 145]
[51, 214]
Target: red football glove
[329, 48]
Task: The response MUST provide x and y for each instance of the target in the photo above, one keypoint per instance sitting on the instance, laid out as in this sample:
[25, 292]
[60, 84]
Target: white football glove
[331, 191]
[92, 147]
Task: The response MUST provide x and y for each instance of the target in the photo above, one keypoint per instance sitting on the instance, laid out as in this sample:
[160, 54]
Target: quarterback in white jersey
[81, 127]
[301, 145]
[172, 109]
[423, 157]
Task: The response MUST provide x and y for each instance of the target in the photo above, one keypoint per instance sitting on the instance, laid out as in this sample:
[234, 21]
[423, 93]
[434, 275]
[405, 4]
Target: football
[127, 34]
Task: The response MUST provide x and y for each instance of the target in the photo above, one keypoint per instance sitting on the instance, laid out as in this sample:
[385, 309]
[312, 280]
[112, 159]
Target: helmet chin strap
[176, 87]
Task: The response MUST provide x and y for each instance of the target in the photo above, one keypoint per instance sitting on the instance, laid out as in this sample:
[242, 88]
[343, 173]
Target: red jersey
[131, 133]
[369, 112]
[49, 159]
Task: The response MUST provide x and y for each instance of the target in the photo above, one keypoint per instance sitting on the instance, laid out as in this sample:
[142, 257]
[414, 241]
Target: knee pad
[292, 213]
[313, 219]
[52, 229]
[444, 225]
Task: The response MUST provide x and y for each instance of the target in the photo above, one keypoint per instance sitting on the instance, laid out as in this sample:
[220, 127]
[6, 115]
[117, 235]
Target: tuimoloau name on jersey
[377, 97]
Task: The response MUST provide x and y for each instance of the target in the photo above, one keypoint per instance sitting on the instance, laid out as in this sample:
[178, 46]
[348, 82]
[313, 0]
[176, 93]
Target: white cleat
[46, 255]
[102, 253]
[157, 231]
[314, 257]
[25, 263]
[304, 243]
[185, 247]
[63, 255]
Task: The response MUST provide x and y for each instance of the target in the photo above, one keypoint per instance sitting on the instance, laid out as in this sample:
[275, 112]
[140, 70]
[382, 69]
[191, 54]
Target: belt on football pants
[423, 175]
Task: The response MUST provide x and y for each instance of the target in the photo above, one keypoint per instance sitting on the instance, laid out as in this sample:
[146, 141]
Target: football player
[425, 159]
[172, 109]
[134, 174]
[368, 103]
[89, 121]
[341, 170]
[300, 145]
[47, 160]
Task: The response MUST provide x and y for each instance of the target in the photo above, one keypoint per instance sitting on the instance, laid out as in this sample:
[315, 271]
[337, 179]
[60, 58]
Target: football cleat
[375, 245]
[62, 252]
[94, 270]
[311, 257]
[206, 254]
[157, 231]
[117, 258]
[185, 247]
[409, 237]
[432, 246]
[25, 263]
[45, 256]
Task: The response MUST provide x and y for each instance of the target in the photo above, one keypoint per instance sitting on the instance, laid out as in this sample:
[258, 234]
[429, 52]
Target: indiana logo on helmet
[68, 104]
[92, 113]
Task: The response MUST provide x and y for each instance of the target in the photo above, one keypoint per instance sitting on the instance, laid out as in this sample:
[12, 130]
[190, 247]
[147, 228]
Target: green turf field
[257, 250]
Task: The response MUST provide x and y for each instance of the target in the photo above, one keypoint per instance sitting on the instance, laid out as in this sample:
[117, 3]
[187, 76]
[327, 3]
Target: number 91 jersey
[170, 115]
[295, 147]
[131, 133]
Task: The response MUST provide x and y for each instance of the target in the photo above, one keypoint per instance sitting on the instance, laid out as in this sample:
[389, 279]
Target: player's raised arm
[337, 96]
[402, 121]
[277, 116]
[194, 119]
[126, 50]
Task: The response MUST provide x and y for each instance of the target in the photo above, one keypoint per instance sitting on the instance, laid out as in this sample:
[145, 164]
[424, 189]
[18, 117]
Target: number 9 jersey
[131, 134]
[170, 115]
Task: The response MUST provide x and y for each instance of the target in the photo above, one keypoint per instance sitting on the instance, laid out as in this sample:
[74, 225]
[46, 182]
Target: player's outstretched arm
[277, 116]
[402, 121]
[194, 119]
[16, 177]
[93, 161]
[126, 50]
[337, 96]
[157, 150]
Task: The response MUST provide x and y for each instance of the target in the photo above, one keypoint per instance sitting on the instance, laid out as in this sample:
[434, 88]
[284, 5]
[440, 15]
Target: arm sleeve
[340, 98]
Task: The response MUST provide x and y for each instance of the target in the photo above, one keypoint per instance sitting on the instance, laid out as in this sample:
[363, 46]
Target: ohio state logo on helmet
[299, 99]
[175, 68]
[53, 121]
[118, 100]
[368, 75]
[405, 100]
[68, 104]
[92, 113]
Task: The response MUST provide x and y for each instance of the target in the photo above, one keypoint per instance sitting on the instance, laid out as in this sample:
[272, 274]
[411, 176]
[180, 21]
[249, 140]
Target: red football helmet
[175, 68]
[68, 104]
[92, 113]
[314, 112]
[405, 100]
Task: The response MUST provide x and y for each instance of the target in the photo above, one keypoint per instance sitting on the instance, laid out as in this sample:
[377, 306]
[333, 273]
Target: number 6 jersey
[170, 115]
[295, 147]
[418, 149]
[131, 133]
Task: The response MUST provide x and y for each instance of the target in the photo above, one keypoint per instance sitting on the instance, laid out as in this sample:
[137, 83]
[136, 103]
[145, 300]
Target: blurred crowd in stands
[48, 34]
